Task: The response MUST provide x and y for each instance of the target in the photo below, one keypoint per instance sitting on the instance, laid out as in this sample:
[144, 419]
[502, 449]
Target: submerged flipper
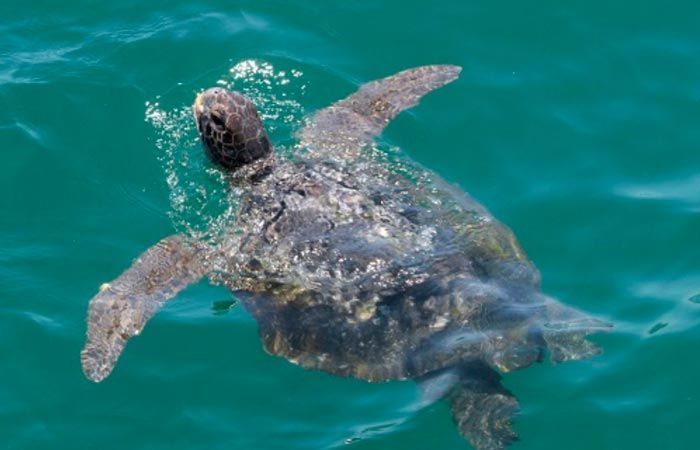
[482, 408]
[565, 331]
[121, 308]
[360, 117]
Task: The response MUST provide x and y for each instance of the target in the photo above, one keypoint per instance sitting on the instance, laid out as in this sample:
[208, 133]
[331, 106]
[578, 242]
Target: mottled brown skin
[354, 267]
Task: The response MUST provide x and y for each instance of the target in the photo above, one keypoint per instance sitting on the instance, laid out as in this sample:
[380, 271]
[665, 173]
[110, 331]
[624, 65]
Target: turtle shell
[379, 277]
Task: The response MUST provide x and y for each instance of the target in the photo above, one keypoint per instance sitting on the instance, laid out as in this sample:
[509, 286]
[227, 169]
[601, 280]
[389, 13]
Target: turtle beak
[198, 107]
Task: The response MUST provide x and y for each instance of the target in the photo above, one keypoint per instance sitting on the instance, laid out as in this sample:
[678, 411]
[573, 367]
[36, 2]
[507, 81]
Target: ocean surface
[576, 123]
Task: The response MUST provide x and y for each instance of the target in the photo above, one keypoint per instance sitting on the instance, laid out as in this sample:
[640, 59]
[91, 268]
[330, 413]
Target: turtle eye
[217, 119]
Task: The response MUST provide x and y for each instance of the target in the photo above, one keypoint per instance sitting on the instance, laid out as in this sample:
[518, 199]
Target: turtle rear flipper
[570, 346]
[565, 331]
[481, 407]
[121, 308]
[352, 122]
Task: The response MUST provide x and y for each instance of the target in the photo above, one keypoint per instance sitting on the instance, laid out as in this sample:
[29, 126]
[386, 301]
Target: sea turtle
[356, 262]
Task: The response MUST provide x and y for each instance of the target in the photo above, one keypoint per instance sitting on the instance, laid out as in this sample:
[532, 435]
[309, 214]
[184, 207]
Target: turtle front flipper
[482, 408]
[352, 122]
[121, 308]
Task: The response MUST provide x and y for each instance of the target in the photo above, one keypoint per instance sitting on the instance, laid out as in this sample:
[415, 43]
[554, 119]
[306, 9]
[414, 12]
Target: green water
[576, 123]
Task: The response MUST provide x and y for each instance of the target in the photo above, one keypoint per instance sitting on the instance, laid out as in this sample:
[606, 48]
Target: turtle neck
[254, 172]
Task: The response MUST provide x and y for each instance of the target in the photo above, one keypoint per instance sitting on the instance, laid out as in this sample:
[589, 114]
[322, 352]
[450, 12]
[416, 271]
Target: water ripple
[684, 192]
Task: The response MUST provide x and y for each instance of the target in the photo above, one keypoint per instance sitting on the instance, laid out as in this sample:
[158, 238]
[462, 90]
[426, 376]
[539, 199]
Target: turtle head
[230, 128]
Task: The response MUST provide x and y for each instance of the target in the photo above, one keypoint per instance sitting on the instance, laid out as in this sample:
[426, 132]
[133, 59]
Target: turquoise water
[575, 124]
